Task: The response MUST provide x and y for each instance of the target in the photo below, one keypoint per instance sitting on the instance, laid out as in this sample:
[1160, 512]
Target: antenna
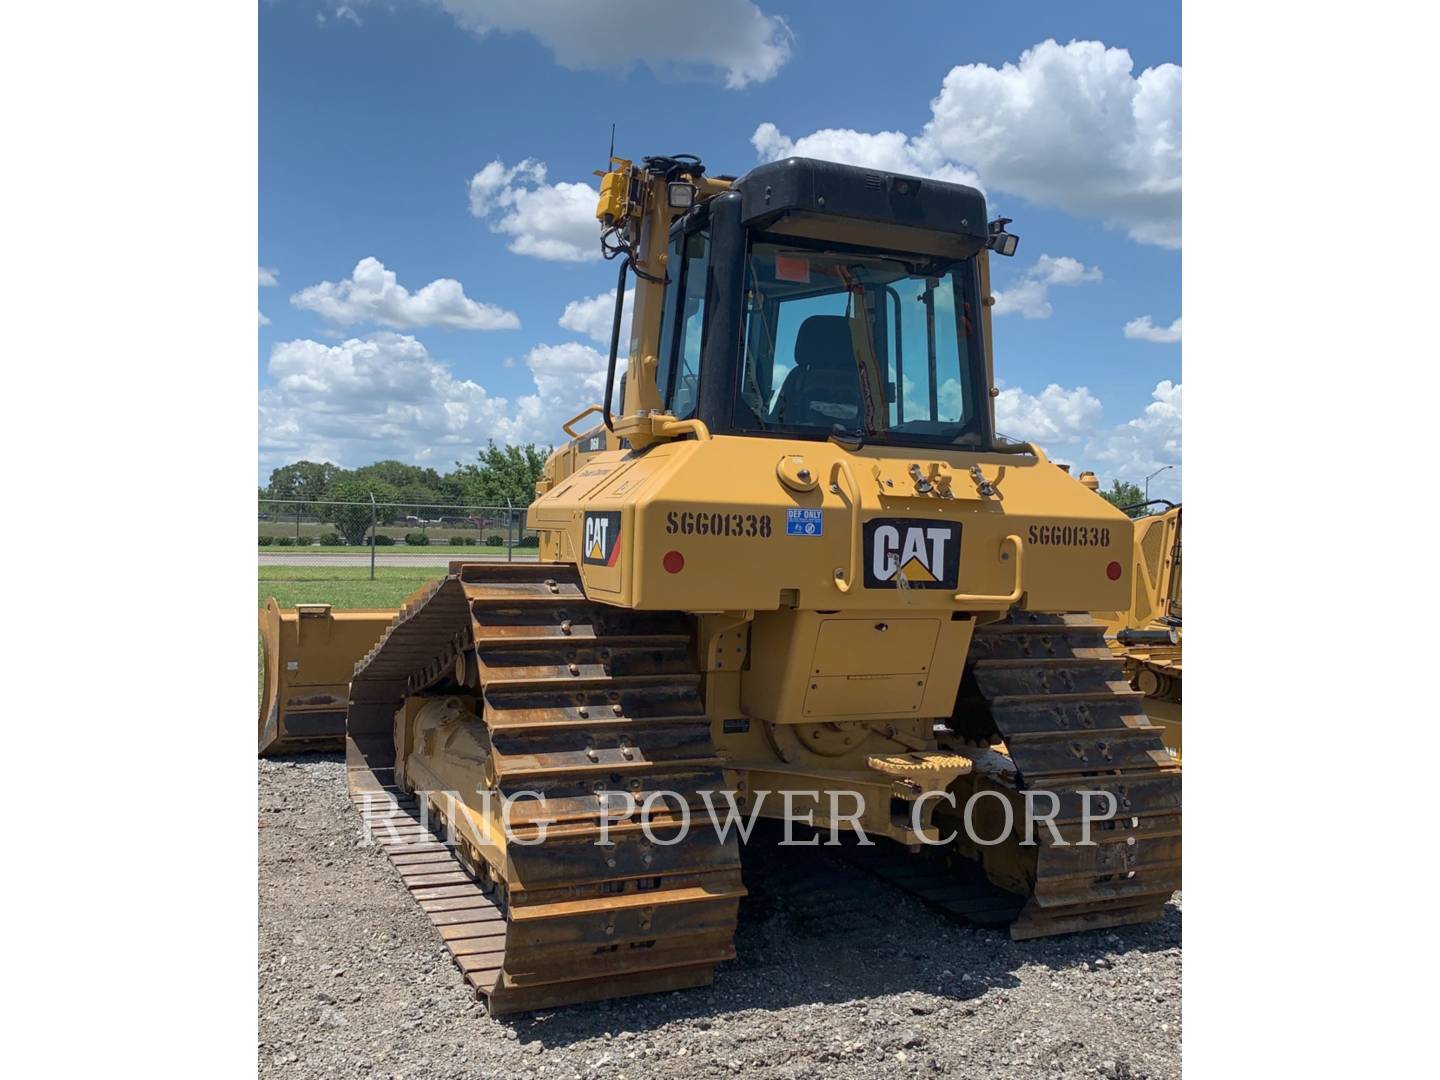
[612, 141]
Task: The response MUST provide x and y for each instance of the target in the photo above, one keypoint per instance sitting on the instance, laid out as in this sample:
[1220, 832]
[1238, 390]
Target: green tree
[350, 510]
[1123, 493]
[304, 480]
[452, 489]
[418, 499]
[503, 472]
[414, 483]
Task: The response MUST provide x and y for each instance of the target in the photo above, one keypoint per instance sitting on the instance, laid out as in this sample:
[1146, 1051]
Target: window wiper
[847, 438]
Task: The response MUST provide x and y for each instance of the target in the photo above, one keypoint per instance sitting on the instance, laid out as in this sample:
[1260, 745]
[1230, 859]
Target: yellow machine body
[725, 506]
[792, 639]
[1147, 634]
[1155, 582]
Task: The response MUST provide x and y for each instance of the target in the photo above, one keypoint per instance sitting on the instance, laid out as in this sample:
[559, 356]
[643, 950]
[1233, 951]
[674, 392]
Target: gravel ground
[837, 974]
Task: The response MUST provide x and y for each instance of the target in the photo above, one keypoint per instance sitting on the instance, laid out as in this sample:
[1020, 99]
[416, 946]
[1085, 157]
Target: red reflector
[673, 562]
[1113, 571]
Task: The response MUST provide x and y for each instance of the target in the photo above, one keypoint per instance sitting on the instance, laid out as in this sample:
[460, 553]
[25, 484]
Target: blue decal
[804, 522]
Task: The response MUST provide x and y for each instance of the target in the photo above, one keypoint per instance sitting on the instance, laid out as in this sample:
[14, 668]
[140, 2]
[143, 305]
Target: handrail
[1142, 505]
[999, 603]
[846, 582]
[695, 426]
[565, 427]
[1020, 448]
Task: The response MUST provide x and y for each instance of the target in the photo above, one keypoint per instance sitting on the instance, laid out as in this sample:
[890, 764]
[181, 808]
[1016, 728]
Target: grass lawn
[343, 586]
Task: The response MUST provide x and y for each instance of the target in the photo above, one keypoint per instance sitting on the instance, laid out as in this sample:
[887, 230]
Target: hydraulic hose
[615, 342]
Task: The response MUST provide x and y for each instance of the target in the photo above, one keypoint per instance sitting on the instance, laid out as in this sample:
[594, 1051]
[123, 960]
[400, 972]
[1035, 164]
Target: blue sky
[375, 118]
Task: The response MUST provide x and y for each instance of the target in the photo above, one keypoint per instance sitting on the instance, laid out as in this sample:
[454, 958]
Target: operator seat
[823, 389]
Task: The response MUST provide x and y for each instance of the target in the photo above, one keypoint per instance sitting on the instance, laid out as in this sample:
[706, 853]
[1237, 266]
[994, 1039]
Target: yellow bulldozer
[792, 573]
[1147, 634]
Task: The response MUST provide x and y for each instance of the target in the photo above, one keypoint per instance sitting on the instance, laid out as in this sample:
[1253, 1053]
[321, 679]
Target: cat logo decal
[602, 538]
[911, 553]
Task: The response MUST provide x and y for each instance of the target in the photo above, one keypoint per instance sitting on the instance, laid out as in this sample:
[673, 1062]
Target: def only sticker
[926, 554]
[602, 538]
[804, 523]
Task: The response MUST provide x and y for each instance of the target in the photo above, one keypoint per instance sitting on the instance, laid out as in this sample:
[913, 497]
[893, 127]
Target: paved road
[440, 557]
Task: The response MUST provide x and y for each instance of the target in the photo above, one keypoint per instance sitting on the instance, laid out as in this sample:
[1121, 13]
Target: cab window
[874, 346]
[683, 326]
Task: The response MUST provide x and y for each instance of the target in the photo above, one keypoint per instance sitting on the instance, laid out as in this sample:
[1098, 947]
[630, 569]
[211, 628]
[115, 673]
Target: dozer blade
[308, 654]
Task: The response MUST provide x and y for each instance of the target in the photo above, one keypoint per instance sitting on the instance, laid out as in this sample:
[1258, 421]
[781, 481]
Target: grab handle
[693, 426]
[979, 601]
[569, 430]
[845, 577]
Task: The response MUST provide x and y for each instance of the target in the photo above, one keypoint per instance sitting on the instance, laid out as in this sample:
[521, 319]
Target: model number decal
[699, 523]
[1070, 535]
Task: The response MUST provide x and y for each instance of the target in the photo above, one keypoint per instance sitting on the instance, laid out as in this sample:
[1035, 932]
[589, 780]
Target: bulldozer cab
[813, 300]
[840, 340]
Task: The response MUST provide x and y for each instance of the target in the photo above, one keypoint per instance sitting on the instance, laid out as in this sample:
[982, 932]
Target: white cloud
[1068, 421]
[1069, 126]
[567, 377]
[549, 221]
[263, 320]
[1030, 294]
[732, 36]
[384, 396]
[594, 316]
[1056, 415]
[269, 276]
[1142, 329]
[373, 295]
[1133, 450]
[342, 13]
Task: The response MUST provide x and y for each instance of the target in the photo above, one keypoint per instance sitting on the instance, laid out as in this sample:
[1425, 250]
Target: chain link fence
[324, 532]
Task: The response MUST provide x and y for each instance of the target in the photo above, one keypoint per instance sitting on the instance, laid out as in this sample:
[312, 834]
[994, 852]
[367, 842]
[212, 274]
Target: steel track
[1067, 720]
[578, 701]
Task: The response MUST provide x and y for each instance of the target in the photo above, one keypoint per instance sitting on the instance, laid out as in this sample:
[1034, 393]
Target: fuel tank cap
[795, 474]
